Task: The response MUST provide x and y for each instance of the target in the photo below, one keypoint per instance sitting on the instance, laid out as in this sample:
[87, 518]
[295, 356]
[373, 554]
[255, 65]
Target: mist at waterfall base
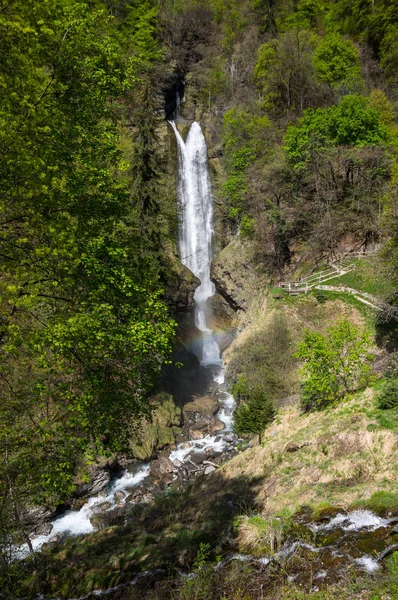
[196, 234]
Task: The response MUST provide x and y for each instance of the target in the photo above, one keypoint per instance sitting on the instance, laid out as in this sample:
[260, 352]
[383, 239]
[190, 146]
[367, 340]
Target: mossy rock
[160, 431]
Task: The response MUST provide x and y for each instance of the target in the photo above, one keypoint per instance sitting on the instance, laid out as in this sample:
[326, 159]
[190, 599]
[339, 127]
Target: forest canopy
[84, 327]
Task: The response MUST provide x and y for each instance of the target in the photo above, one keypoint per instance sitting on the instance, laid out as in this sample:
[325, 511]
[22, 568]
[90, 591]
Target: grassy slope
[369, 276]
[347, 454]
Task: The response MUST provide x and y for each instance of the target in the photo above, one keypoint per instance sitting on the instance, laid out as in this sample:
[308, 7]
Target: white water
[195, 243]
[196, 236]
[76, 522]
[354, 521]
[196, 231]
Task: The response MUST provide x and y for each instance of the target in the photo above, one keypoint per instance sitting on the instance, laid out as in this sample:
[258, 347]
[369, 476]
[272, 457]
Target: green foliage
[392, 366]
[84, 328]
[388, 397]
[334, 364]
[307, 15]
[254, 413]
[363, 19]
[379, 502]
[352, 123]
[200, 586]
[284, 70]
[245, 139]
[336, 63]
[246, 228]
[389, 53]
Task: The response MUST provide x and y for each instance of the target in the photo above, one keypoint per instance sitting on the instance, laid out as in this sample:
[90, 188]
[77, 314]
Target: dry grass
[342, 460]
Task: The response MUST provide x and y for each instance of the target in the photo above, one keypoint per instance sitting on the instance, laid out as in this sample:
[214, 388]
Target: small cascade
[196, 228]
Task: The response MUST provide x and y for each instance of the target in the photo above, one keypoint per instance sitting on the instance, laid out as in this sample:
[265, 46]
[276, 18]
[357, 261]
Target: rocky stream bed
[206, 440]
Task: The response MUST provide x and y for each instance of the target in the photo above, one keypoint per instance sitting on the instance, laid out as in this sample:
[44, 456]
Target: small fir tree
[253, 415]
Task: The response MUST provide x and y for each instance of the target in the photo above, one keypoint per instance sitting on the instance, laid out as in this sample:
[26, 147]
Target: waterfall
[196, 230]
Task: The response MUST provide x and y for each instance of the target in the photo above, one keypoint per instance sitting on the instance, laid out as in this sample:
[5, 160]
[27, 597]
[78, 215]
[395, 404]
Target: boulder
[230, 437]
[204, 405]
[160, 467]
[198, 457]
[295, 446]
[195, 434]
[210, 426]
[99, 478]
[119, 496]
[44, 529]
[215, 425]
[209, 469]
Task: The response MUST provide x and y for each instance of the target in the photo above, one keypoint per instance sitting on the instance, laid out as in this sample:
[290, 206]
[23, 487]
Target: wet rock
[195, 434]
[209, 426]
[224, 340]
[36, 515]
[119, 496]
[197, 457]
[161, 467]
[210, 452]
[108, 518]
[230, 437]
[204, 405]
[99, 479]
[102, 507]
[44, 529]
[177, 464]
[53, 541]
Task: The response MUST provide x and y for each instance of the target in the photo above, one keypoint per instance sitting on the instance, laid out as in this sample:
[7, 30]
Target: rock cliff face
[182, 284]
[234, 275]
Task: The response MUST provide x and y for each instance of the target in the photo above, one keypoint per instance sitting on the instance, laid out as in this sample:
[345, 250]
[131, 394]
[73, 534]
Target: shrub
[334, 364]
[264, 361]
[388, 397]
[336, 62]
[392, 366]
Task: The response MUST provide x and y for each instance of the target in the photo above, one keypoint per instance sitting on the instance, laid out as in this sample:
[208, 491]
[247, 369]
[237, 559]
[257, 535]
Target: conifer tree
[253, 415]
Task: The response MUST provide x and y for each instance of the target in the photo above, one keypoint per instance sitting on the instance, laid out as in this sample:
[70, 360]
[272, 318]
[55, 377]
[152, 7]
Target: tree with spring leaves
[334, 364]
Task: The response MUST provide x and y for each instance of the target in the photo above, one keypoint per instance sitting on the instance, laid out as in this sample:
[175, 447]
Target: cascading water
[196, 236]
[196, 228]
